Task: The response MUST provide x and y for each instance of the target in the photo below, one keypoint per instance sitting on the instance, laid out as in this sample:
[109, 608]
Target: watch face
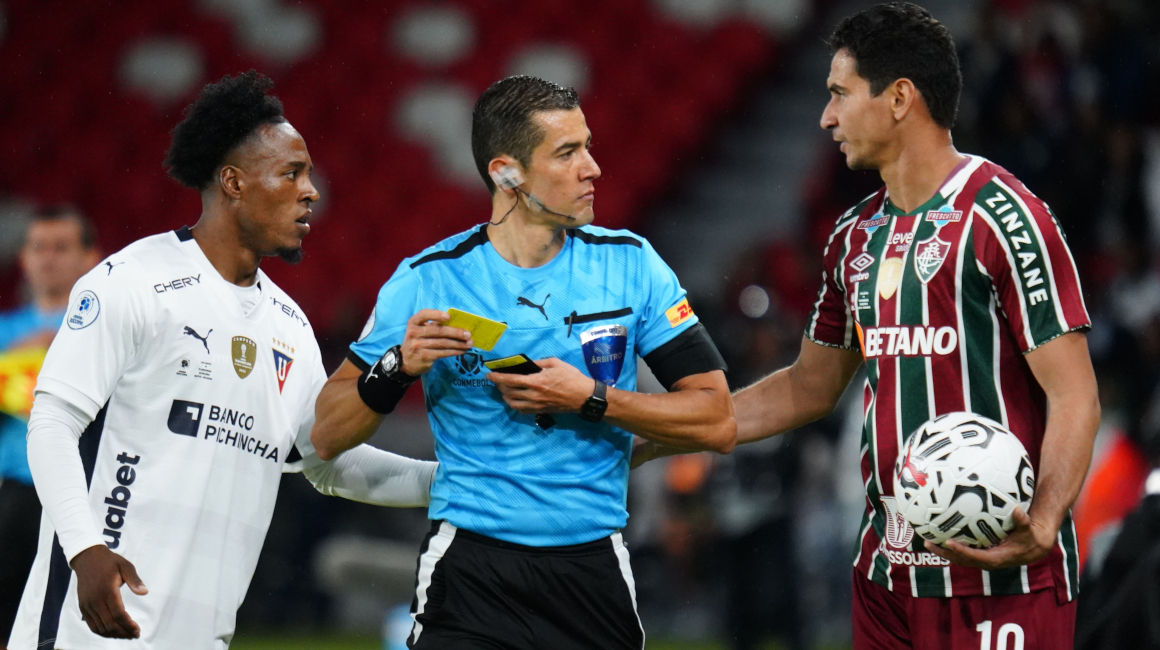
[390, 361]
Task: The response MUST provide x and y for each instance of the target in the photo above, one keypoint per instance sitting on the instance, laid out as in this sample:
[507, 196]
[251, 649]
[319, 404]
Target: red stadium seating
[72, 133]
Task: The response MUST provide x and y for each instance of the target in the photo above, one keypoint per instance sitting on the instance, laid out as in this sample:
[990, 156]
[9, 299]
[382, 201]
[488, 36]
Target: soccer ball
[960, 477]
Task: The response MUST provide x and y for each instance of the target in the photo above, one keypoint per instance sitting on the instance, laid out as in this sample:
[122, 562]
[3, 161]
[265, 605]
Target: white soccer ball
[960, 477]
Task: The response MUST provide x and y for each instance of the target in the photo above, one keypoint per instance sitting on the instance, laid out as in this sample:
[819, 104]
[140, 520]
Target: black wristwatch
[593, 410]
[391, 367]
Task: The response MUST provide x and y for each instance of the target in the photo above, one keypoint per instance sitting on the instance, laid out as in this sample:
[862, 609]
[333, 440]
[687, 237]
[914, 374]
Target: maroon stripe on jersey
[990, 252]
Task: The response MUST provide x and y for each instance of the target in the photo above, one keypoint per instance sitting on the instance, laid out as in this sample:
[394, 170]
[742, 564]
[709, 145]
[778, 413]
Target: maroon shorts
[884, 620]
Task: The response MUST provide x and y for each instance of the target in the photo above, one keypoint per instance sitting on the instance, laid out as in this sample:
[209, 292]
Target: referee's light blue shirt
[500, 474]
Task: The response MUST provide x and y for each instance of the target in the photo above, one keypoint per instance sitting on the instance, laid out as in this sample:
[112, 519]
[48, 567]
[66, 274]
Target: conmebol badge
[604, 352]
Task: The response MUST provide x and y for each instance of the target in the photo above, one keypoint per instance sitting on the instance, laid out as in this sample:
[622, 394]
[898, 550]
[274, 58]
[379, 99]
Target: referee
[525, 549]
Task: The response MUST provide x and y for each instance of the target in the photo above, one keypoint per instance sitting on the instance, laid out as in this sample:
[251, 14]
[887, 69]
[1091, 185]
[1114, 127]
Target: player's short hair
[502, 120]
[67, 212]
[220, 119]
[900, 40]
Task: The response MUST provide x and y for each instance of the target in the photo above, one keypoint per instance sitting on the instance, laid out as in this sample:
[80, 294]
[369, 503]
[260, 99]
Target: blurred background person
[59, 247]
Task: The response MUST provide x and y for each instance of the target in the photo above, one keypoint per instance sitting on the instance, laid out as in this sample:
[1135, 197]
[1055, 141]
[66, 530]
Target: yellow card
[484, 331]
[507, 362]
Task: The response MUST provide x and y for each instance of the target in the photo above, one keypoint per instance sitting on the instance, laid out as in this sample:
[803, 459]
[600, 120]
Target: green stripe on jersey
[1007, 582]
[979, 334]
[869, 318]
[1071, 552]
[1027, 254]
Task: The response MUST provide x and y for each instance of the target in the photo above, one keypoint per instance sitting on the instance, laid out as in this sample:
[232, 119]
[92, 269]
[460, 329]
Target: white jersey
[197, 406]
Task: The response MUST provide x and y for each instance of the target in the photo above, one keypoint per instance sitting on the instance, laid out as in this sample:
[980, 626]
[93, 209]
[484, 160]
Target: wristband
[383, 384]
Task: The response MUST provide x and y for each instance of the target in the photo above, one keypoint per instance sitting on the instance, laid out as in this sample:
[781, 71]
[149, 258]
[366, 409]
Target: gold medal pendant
[889, 274]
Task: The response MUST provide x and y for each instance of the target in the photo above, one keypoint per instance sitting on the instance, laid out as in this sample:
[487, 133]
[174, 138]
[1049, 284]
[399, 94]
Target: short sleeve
[666, 311]
[97, 343]
[398, 300]
[1021, 247]
[831, 323]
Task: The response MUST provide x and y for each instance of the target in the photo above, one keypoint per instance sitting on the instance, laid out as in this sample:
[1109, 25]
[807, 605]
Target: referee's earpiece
[507, 177]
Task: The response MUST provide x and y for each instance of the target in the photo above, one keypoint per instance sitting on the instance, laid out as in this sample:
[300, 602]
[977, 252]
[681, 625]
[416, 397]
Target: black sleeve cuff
[691, 352]
[358, 362]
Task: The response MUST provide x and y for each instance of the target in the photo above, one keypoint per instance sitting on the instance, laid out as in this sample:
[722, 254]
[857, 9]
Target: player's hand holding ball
[100, 574]
[965, 483]
[428, 339]
[558, 388]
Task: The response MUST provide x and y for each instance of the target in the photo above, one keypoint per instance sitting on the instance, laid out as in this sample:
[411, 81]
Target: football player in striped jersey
[955, 287]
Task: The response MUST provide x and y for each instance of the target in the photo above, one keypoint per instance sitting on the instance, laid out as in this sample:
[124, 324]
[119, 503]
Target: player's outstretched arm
[794, 396]
[374, 476]
[1063, 369]
[789, 398]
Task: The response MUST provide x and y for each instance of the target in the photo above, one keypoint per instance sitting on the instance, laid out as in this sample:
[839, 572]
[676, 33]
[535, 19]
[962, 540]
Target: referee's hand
[558, 388]
[100, 574]
[428, 340]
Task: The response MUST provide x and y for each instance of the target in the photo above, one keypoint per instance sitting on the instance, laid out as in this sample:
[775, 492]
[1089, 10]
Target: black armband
[691, 352]
[383, 383]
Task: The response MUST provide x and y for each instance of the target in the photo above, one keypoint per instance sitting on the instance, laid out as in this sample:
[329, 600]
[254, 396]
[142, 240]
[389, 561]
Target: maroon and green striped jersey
[943, 302]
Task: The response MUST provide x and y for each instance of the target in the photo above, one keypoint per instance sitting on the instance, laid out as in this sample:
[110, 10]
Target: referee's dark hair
[900, 40]
[502, 120]
[221, 118]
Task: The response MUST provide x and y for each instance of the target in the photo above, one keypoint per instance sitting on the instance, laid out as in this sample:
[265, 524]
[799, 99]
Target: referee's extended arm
[343, 420]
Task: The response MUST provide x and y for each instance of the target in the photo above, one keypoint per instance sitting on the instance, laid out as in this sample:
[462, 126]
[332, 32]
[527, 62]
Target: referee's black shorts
[478, 593]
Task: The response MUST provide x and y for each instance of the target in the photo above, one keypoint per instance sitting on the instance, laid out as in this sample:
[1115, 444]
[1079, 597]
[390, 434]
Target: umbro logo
[189, 331]
[862, 262]
[528, 303]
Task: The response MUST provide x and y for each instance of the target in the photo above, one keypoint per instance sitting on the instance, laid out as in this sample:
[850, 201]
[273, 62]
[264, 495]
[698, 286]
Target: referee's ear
[506, 174]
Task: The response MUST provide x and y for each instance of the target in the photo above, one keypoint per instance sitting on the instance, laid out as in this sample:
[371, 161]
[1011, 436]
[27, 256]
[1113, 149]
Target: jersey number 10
[1007, 631]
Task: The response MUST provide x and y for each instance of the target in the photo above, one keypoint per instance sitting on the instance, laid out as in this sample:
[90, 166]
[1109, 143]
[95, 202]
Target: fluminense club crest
[929, 257]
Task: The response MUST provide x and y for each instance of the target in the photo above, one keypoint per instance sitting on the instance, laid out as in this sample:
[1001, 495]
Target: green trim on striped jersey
[861, 534]
[1070, 545]
[979, 327]
[1026, 254]
[1007, 582]
[929, 582]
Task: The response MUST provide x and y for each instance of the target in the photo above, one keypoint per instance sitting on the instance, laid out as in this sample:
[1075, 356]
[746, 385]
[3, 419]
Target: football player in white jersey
[179, 388]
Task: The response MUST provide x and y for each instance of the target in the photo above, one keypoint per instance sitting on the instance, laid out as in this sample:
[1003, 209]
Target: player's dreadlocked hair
[224, 115]
[502, 120]
[902, 40]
